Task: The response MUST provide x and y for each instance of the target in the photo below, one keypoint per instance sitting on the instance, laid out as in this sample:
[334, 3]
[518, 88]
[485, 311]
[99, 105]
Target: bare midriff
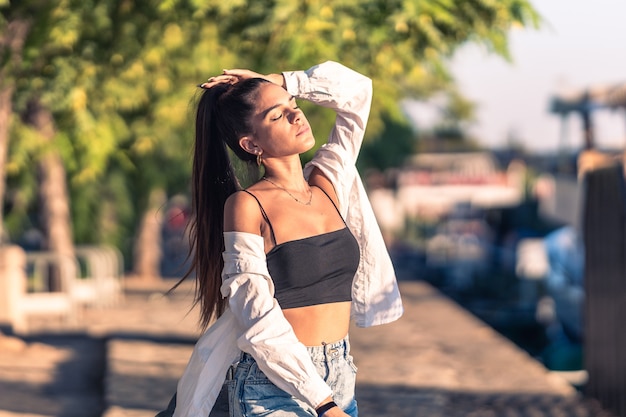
[319, 324]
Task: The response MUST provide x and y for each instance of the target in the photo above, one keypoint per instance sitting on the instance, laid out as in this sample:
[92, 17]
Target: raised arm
[329, 84]
[347, 92]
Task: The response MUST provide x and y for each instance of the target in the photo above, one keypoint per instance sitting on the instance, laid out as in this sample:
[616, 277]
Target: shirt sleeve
[264, 332]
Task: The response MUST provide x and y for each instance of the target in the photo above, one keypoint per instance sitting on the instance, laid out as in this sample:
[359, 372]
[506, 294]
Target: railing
[101, 283]
[26, 291]
[50, 285]
[605, 287]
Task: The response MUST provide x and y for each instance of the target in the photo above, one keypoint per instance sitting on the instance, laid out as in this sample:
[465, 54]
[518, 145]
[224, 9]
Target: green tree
[97, 84]
[13, 33]
[34, 34]
[115, 78]
[402, 44]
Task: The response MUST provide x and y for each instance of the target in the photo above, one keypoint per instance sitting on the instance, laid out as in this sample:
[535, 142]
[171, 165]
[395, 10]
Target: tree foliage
[402, 44]
[119, 77]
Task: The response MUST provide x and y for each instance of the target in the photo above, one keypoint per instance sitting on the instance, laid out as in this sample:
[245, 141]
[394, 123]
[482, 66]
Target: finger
[223, 78]
[236, 71]
[220, 79]
[242, 73]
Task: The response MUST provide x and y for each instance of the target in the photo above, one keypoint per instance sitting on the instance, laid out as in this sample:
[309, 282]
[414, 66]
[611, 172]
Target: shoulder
[320, 180]
[242, 213]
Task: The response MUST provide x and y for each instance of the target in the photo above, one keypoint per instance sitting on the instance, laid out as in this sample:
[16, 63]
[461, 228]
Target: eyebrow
[269, 109]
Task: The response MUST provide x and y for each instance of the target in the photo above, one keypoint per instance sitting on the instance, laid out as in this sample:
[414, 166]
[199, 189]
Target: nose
[296, 116]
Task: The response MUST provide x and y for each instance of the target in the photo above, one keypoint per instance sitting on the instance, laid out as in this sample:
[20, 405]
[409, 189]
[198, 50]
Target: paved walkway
[437, 360]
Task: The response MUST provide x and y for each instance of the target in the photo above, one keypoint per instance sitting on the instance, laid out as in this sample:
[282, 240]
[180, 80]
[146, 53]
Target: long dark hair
[223, 116]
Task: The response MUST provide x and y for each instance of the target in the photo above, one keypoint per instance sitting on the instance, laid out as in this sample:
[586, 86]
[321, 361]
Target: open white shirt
[253, 321]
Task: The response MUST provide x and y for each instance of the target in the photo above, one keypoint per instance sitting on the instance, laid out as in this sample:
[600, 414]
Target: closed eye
[279, 116]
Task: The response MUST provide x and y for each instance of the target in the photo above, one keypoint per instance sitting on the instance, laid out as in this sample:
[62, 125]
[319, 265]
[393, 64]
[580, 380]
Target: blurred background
[493, 153]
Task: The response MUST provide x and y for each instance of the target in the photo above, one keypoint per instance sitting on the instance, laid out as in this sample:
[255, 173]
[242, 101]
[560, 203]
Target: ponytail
[223, 116]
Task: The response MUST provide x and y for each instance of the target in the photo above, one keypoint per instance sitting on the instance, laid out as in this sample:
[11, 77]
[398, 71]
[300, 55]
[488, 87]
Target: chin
[310, 143]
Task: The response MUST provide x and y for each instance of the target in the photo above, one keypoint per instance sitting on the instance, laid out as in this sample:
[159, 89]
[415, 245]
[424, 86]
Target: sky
[580, 44]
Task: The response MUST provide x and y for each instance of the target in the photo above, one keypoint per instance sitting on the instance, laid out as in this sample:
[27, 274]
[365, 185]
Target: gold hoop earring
[259, 159]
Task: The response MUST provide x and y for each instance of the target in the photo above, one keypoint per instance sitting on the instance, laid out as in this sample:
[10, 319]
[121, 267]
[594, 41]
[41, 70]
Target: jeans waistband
[318, 353]
[329, 350]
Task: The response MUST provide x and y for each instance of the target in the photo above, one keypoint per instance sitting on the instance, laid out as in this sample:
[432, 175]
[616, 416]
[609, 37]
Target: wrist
[277, 79]
[322, 409]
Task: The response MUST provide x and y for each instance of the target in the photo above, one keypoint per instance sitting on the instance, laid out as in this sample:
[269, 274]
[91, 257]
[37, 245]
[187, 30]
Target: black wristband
[324, 408]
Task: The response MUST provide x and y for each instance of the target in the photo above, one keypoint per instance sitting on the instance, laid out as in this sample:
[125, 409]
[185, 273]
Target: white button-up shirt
[253, 321]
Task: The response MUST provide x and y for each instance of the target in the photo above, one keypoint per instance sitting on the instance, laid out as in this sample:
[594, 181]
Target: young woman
[285, 263]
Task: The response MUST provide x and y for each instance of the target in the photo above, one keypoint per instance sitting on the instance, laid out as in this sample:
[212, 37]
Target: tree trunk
[53, 194]
[11, 44]
[6, 108]
[148, 251]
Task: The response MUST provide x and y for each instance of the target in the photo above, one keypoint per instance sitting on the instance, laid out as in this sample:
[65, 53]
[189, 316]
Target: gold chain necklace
[306, 203]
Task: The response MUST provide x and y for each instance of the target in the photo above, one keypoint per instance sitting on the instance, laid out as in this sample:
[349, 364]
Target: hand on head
[233, 76]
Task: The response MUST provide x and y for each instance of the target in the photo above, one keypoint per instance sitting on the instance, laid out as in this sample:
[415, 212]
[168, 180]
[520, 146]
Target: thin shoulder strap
[334, 205]
[264, 214]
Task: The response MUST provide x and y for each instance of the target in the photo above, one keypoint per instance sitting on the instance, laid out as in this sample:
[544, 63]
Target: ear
[248, 144]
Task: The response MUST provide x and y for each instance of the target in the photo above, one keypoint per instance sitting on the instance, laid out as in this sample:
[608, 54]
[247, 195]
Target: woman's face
[280, 127]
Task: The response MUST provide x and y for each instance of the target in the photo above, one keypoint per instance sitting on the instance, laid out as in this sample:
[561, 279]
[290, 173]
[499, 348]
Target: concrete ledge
[436, 361]
[439, 345]
[142, 376]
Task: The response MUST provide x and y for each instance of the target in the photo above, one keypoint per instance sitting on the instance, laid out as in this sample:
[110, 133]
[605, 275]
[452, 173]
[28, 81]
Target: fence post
[12, 282]
[605, 287]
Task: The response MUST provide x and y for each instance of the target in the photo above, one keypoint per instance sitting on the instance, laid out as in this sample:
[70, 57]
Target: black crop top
[313, 270]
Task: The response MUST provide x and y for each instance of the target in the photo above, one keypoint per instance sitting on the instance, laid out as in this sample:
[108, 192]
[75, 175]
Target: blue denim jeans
[251, 393]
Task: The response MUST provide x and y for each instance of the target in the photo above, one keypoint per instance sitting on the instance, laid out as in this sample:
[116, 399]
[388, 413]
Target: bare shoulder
[320, 180]
[242, 214]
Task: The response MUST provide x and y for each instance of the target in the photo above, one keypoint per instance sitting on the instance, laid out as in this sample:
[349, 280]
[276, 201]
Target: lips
[303, 129]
